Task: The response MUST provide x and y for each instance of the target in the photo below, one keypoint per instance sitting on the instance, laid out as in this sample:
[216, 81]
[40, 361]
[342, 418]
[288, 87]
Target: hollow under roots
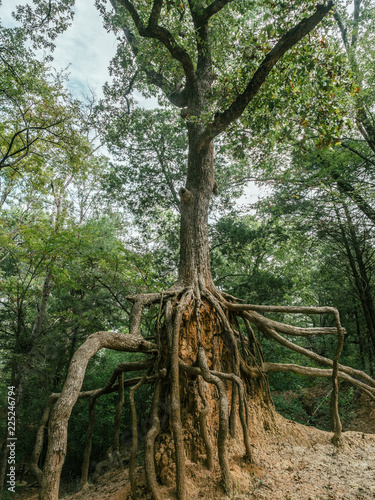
[205, 363]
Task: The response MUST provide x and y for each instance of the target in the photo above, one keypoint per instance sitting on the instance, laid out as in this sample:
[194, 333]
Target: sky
[86, 48]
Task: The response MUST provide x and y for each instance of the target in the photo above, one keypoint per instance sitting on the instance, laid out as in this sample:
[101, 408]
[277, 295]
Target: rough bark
[195, 200]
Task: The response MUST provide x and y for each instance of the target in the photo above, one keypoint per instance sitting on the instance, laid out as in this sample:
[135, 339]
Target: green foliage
[289, 405]
[44, 21]
[65, 270]
[310, 405]
[36, 111]
[259, 261]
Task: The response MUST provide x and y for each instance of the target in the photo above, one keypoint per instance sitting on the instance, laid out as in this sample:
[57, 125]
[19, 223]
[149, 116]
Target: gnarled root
[203, 424]
[198, 336]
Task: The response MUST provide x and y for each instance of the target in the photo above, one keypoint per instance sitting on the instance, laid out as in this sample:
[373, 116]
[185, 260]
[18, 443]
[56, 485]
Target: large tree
[210, 60]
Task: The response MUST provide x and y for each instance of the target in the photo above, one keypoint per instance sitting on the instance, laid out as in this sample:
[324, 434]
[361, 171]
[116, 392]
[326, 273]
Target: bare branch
[365, 158]
[284, 309]
[288, 329]
[258, 320]
[341, 26]
[69, 395]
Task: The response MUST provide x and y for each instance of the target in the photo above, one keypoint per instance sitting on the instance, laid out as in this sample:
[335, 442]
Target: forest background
[90, 211]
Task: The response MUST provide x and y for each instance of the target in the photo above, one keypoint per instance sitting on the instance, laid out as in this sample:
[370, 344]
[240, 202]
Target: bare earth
[293, 463]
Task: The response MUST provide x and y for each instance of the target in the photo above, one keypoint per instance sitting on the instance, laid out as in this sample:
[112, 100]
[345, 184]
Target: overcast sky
[86, 48]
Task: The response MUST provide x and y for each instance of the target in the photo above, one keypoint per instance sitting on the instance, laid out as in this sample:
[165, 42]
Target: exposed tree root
[88, 445]
[134, 449]
[175, 397]
[223, 419]
[203, 424]
[150, 445]
[117, 424]
[60, 414]
[220, 358]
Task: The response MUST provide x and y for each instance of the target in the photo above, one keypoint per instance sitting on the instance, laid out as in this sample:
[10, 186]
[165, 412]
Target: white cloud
[86, 48]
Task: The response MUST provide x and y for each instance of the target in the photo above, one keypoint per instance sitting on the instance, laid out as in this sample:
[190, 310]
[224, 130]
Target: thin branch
[341, 26]
[365, 158]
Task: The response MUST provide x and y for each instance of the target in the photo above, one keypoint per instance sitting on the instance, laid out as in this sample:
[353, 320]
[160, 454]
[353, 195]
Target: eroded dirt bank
[292, 463]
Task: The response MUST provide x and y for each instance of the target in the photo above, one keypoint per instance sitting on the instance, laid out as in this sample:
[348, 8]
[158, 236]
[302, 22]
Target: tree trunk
[195, 200]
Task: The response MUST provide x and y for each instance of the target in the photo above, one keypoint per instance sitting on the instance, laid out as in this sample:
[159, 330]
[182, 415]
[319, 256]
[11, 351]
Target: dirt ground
[292, 463]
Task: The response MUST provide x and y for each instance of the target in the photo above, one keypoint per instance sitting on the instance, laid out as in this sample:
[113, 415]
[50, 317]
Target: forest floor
[294, 462]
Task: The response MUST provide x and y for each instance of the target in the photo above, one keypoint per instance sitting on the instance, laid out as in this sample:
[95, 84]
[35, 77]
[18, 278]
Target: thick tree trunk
[195, 200]
[214, 371]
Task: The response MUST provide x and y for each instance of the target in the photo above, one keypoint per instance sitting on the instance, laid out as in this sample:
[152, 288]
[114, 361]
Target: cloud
[85, 49]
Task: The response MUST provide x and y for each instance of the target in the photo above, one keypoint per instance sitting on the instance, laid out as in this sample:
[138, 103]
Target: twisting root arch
[199, 339]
